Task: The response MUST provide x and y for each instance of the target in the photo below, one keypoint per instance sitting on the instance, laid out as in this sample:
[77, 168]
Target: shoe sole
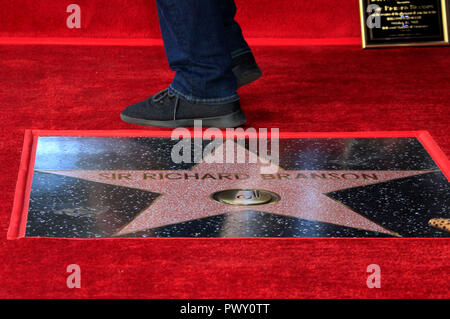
[247, 75]
[230, 120]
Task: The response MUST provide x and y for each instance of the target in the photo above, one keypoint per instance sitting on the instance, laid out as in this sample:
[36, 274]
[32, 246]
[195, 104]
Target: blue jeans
[200, 38]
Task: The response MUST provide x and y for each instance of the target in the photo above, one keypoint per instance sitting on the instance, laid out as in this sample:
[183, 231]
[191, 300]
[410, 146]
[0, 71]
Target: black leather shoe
[167, 110]
[245, 69]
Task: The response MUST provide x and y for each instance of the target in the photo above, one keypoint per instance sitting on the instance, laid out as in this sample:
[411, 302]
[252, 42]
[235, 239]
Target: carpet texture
[338, 88]
[138, 19]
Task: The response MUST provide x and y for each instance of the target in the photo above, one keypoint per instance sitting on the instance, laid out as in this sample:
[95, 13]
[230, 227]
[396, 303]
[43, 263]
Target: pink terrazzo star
[187, 198]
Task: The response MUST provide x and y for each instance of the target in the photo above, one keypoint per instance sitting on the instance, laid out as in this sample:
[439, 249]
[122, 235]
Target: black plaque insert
[108, 187]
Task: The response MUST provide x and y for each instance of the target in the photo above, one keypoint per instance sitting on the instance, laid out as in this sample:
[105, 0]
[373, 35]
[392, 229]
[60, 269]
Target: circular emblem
[245, 197]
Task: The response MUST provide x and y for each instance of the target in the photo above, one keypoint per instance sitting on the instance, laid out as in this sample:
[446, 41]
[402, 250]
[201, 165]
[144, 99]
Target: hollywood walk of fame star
[187, 196]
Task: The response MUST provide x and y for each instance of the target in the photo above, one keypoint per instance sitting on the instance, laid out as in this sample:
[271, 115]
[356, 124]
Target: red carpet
[137, 19]
[338, 88]
[304, 88]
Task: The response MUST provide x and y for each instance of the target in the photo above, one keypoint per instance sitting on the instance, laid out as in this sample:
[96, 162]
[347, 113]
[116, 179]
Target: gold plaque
[390, 23]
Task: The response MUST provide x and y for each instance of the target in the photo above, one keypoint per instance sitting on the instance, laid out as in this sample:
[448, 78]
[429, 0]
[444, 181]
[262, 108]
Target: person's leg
[194, 39]
[233, 32]
[204, 87]
[243, 62]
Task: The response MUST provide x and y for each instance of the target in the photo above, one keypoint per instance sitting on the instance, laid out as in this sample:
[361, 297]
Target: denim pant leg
[194, 40]
[233, 32]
